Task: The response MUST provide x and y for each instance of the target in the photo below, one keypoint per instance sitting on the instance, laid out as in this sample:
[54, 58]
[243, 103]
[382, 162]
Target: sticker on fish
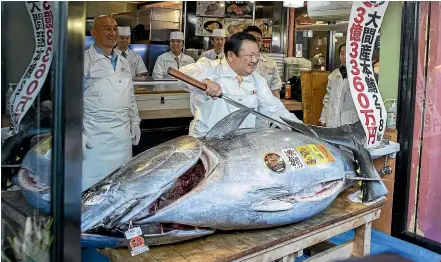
[321, 152]
[364, 25]
[137, 244]
[45, 147]
[307, 155]
[317, 153]
[294, 158]
[275, 162]
[325, 152]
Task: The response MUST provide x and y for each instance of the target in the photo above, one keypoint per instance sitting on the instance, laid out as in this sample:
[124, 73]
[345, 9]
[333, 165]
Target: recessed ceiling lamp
[293, 3]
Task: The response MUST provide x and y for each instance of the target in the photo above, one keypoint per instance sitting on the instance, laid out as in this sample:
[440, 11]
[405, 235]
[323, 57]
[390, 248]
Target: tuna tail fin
[352, 137]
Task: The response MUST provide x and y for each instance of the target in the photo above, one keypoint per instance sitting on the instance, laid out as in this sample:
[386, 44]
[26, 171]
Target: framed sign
[210, 8]
[239, 9]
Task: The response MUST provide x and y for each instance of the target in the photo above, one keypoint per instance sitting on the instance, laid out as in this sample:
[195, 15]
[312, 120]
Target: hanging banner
[31, 82]
[364, 25]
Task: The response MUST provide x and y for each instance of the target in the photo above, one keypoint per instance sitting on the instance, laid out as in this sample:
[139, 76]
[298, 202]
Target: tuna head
[130, 190]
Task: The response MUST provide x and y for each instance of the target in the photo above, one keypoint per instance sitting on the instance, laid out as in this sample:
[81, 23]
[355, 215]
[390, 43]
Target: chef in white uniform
[137, 66]
[267, 67]
[174, 58]
[218, 41]
[235, 77]
[111, 120]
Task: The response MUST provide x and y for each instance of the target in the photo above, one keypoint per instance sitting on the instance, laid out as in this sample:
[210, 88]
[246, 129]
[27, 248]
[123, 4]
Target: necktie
[177, 61]
[217, 57]
[124, 54]
[239, 79]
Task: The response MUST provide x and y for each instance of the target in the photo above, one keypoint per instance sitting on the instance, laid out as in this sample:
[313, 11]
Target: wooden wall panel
[313, 91]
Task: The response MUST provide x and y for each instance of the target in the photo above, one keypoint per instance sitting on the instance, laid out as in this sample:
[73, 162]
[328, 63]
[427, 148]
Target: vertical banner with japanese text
[364, 25]
[33, 79]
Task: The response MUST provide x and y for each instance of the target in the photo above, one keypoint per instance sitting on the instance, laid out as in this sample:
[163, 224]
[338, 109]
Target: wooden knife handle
[187, 79]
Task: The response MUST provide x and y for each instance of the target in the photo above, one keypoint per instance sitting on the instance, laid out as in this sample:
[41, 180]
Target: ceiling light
[293, 3]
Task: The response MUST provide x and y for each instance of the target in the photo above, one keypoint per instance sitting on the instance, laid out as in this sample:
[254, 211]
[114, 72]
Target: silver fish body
[232, 179]
[242, 192]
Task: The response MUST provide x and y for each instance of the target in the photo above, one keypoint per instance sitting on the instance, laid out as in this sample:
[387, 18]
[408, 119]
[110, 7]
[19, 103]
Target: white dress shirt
[252, 92]
[137, 66]
[167, 60]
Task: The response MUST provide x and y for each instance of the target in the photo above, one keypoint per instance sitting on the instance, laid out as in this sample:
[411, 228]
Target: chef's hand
[322, 124]
[136, 133]
[213, 89]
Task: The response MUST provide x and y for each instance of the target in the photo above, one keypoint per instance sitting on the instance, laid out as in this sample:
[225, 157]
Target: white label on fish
[294, 158]
[133, 232]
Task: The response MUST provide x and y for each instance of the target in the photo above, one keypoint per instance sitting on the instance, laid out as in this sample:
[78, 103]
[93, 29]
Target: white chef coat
[167, 60]
[267, 68]
[109, 111]
[338, 106]
[137, 66]
[211, 54]
[252, 92]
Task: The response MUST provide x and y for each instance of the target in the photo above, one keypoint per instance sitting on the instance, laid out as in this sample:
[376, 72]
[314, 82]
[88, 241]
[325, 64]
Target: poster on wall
[364, 25]
[266, 46]
[210, 8]
[206, 25]
[239, 9]
[234, 25]
[266, 26]
[31, 82]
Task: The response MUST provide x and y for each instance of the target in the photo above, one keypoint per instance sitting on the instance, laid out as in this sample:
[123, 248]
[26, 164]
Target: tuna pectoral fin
[352, 137]
[229, 124]
[272, 206]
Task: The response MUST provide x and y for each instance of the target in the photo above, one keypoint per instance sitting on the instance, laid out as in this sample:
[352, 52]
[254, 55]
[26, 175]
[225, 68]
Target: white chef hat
[177, 35]
[124, 30]
[219, 33]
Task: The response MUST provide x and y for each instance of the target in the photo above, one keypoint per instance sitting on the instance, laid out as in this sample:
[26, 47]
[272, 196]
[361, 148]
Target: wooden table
[283, 243]
[291, 105]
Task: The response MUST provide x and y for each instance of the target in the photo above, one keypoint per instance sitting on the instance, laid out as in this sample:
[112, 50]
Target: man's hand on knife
[213, 89]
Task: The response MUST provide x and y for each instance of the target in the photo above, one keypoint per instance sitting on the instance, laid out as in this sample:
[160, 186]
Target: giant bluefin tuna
[232, 179]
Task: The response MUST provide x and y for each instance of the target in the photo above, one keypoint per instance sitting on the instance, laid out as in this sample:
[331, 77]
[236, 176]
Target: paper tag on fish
[137, 246]
[133, 232]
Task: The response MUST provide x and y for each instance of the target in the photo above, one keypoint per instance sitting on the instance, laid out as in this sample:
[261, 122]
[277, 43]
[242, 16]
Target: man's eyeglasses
[250, 56]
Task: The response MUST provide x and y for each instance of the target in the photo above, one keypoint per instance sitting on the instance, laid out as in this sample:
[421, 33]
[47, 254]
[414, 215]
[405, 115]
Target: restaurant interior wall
[390, 39]
[263, 10]
[96, 8]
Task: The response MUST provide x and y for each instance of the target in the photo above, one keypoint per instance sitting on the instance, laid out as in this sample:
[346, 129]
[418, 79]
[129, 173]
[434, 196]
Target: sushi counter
[165, 99]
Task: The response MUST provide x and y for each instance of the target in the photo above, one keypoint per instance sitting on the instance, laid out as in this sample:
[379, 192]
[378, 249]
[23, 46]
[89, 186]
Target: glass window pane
[424, 208]
[26, 126]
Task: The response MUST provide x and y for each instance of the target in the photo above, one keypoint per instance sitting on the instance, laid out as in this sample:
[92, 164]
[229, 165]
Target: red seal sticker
[275, 162]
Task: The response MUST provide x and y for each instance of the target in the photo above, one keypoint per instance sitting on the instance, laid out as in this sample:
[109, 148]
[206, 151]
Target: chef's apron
[106, 126]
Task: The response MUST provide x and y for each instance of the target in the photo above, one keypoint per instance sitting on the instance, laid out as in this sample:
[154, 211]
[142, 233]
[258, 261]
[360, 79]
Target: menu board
[234, 25]
[233, 16]
[239, 9]
[266, 26]
[206, 25]
[210, 8]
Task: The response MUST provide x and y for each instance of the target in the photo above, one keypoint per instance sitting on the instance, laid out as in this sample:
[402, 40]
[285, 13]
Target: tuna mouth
[319, 191]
